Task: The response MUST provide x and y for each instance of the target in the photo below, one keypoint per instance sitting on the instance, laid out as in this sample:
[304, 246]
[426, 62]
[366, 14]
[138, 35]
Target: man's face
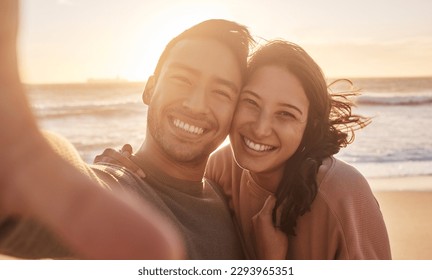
[192, 101]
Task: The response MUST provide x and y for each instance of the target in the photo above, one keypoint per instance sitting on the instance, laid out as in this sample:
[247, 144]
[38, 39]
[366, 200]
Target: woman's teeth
[257, 147]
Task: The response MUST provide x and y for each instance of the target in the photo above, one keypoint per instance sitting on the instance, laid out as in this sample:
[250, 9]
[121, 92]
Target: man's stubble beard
[186, 154]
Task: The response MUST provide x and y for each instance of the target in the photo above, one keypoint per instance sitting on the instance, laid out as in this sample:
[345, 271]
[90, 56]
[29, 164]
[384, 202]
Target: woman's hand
[121, 158]
[270, 242]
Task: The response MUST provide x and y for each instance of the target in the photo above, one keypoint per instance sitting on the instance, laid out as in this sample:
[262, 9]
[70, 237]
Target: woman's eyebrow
[251, 92]
[292, 107]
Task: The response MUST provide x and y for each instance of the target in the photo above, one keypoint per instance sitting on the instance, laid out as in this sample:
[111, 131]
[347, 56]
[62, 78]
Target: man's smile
[188, 127]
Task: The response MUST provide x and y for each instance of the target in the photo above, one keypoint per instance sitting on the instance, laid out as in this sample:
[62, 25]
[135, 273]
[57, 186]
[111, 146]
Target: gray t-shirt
[198, 209]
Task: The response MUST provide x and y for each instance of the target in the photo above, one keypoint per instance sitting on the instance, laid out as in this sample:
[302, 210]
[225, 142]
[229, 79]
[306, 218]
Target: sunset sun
[164, 25]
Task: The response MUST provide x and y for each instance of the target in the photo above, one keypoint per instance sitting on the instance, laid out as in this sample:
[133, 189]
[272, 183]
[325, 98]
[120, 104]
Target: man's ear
[148, 90]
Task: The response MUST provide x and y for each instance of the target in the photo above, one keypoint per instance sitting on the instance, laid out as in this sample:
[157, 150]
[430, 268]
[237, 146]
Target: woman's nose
[263, 125]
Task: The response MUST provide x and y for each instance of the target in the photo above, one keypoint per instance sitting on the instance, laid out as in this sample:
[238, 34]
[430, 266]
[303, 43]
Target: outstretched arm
[93, 222]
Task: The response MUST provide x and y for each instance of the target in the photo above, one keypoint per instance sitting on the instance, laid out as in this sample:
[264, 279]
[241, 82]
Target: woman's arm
[36, 182]
[219, 170]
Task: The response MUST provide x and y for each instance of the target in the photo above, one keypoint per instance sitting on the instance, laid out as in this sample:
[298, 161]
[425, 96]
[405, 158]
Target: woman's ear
[148, 90]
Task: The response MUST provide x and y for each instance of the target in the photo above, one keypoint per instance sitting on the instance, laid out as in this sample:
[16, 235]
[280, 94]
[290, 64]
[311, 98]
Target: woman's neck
[268, 180]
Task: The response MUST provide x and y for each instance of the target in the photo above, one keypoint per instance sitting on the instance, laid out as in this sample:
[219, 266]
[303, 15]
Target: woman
[286, 128]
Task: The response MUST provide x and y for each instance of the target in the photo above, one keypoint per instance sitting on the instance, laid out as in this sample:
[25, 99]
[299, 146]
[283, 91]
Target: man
[191, 99]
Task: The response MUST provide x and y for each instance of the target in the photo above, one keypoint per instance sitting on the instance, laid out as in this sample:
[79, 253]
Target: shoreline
[402, 183]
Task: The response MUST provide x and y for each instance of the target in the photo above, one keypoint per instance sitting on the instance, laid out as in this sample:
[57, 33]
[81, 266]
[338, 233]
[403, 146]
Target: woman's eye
[287, 115]
[250, 101]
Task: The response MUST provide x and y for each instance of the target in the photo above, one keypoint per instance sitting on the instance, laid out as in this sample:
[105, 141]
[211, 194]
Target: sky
[63, 41]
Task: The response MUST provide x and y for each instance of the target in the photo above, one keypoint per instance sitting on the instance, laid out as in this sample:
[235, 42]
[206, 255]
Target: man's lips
[187, 127]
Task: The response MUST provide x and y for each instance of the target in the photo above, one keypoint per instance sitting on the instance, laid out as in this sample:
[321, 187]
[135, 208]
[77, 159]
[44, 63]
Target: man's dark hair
[231, 34]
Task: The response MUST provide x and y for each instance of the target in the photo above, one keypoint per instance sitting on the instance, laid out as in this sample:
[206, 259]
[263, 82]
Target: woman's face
[270, 120]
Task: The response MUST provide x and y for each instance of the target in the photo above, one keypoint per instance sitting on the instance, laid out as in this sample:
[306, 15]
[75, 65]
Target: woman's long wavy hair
[330, 126]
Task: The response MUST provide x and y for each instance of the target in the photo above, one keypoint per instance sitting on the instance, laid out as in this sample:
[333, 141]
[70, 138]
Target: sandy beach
[406, 204]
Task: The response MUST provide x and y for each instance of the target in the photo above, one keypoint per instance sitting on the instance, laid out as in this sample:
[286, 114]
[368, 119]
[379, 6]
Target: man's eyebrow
[281, 104]
[176, 65]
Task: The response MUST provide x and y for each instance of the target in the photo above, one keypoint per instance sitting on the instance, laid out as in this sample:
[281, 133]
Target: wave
[91, 103]
[77, 99]
[87, 109]
[389, 158]
[395, 100]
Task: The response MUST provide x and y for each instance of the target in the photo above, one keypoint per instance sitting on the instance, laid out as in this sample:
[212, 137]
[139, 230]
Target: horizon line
[108, 81]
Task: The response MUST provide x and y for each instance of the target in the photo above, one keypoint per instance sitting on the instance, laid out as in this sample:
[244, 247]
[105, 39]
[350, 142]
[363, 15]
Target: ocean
[398, 142]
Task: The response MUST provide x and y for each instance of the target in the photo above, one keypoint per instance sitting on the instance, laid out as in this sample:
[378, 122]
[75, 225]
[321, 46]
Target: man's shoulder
[222, 154]
[119, 177]
[115, 175]
[214, 187]
[221, 167]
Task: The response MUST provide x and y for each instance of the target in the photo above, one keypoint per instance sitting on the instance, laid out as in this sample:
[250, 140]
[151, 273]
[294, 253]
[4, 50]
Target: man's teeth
[188, 127]
[257, 147]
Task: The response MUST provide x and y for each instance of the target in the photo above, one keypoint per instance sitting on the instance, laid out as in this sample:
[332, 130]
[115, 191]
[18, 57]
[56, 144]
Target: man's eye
[182, 80]
[223, 93]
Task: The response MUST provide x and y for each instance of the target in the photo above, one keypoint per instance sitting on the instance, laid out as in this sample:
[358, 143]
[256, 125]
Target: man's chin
[188, 155]
[190, 158]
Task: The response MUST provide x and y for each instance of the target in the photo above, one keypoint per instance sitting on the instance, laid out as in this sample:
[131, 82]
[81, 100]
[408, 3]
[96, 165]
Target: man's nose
[197, 100]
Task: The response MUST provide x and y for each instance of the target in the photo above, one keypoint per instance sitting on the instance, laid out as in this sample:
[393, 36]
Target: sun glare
[165, 24]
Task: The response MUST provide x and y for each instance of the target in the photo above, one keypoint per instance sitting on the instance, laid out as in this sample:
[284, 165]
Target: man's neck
[180, 170]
